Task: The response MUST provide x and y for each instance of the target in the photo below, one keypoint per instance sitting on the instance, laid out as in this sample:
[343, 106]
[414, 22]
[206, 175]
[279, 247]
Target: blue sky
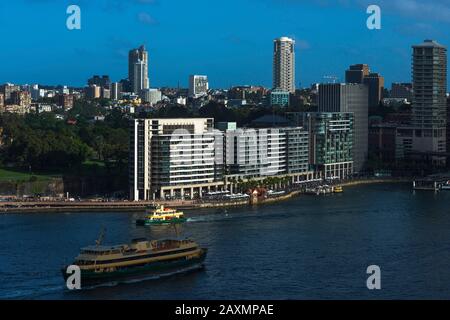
[229, 40]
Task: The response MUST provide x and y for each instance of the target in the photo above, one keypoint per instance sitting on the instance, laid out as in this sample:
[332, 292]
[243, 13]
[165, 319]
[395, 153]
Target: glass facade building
[331, 143]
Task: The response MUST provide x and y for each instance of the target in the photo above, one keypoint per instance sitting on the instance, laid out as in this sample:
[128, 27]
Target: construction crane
[331, 77]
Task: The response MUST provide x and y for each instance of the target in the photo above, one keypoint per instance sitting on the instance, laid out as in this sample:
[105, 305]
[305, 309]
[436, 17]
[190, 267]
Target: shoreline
[86, 207]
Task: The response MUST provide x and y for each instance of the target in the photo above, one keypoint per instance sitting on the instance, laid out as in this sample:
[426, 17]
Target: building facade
[151, 96]
[138, 69]
[350, 98]
[375, 84]
[331, 143]
[116, 91]
[173, 158]
[356, 73]
[198, 86]
[103, 81]
[284, 64]
[7, 89]
[93, 92]
[429, 99]
[2, 102]
[401, 91]
[279, 98]
[255, 153]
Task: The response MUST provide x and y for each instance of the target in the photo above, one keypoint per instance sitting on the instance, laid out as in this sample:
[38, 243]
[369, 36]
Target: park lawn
[11, 175]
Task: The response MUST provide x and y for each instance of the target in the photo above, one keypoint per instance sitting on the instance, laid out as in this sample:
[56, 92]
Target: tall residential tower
[429, 98]
[284, 64]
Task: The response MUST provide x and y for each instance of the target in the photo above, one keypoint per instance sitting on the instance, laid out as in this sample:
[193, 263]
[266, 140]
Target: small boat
[446, 186]
[99, 264]
[161, 215]
[338, 189]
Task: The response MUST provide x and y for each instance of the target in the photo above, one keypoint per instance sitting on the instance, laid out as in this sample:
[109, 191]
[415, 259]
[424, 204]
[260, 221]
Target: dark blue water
[306, 248]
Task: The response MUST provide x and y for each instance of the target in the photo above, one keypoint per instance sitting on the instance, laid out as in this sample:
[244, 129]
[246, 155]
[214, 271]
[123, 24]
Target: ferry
[338, 189]
[161, 215]
[142, 257]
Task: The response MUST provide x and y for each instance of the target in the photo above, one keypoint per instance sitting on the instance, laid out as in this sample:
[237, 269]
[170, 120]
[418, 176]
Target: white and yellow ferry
[161, 215]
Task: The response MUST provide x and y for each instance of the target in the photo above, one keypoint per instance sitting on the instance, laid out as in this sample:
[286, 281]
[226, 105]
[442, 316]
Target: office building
[198, 86]
[360, 74]
[356, 73]
[174, 158]
[429, 103]
[138, 63]
[284, 64]
[375, 84]
[350, 98]
[331, 143]
[2, 101]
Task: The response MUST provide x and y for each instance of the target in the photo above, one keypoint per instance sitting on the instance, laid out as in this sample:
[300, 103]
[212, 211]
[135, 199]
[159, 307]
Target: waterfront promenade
[130, 206]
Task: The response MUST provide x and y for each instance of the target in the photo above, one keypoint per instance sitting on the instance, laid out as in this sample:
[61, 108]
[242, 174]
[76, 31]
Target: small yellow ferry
[161, 215]
[338, 189]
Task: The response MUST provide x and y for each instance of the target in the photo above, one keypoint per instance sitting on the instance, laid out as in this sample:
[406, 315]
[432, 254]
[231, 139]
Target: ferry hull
[159, 268]
[149, 222]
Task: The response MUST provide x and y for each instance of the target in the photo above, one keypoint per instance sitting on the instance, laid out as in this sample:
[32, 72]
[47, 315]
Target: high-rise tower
[429, 68]
[284, 64]
[138, 61]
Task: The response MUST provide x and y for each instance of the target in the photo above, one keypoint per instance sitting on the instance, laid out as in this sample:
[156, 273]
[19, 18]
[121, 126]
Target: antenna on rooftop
[331, 77]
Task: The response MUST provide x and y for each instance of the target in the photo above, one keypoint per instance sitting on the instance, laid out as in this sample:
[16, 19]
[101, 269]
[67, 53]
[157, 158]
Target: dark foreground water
[305, 248]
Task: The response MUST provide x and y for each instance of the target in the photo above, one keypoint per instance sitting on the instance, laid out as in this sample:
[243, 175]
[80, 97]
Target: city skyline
[229, 56]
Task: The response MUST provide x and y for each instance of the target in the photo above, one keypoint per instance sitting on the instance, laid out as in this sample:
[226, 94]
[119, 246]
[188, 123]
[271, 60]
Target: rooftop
[429, 44]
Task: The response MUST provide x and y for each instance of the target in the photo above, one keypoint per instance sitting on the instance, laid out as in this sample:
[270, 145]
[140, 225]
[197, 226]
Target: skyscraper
[138, 60]
[429, 67]
[284, 64]
[344, 97]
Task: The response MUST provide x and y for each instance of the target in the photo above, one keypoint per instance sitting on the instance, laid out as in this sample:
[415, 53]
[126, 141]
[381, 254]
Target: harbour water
[305, 248]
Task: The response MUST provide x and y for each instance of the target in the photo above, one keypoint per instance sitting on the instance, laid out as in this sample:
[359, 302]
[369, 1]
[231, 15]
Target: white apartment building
[174, 158]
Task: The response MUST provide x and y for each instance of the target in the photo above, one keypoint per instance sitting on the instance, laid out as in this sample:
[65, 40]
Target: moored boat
[142, 257]
[446, 186]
